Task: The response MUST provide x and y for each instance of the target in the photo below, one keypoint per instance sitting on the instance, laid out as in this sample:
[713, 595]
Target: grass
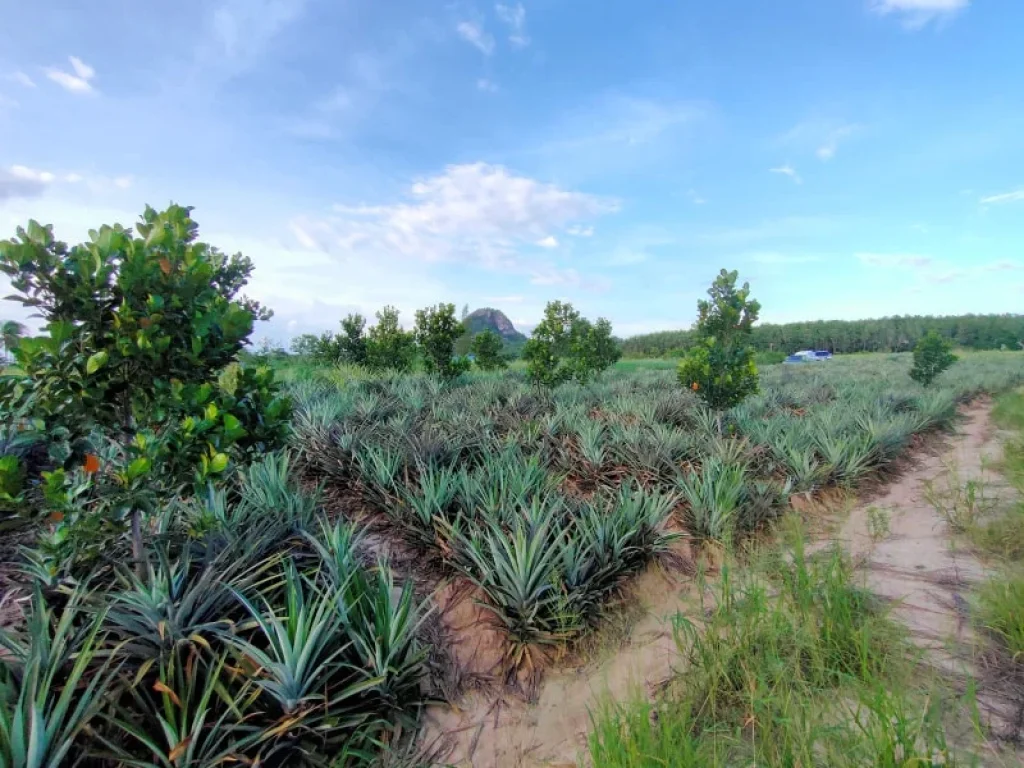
[793, 664]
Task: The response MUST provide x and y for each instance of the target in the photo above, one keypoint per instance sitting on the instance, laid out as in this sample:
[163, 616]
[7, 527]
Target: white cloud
[616, 119]
[918, 13]
[240, 30]
[123, 182]
[475, 213]
[1004, 265]
[548, 242]
[1007, 197]
[774, 257]
[788, 170]
[21, 78]
[474, 34]
[79, 82]
[82, 69]
[830, 145]
[483, 84]
[695, 198]
[578, 231]
[31, 174]
[910, 260]
[569, 278]
[948, 276]
[514, 16]
[627, 258]
[823, 135]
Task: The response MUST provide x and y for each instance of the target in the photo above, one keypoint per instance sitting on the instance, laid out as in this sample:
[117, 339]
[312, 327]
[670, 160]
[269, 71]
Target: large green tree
[720, 368]
[388, 346]
[436, 332]
[566, 346]
[488, 351]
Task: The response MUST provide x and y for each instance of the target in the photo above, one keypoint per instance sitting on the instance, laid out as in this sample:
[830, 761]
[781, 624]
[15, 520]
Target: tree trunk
[718, 420]
[137, 556]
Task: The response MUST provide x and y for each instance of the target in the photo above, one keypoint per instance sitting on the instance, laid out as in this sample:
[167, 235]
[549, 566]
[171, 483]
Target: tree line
[565, 346]
[887, 334]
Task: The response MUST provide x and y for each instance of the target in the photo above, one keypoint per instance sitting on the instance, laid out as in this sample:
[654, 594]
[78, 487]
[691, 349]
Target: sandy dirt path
[917, 564]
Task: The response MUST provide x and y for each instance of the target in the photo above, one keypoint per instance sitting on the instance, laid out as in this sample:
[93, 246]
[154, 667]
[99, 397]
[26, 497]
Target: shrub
[932, 355]
[436, 332]
[566, 346]
[388, 347]
[487, 351]
[721, 368]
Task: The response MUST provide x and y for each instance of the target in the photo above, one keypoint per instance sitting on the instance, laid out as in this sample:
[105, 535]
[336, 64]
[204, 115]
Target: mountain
[494, 320]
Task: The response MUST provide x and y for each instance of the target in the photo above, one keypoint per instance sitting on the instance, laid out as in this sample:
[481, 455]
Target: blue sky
[852, 158]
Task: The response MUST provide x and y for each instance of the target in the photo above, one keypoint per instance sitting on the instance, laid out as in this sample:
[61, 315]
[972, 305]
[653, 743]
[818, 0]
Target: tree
[305, 345]
[436, 332]
[932, 355]
[10, 332]
[596, 349]
[567, 346]
[141, 338]
[352, 342]
[388, 347]
[488, 351]
[721, 368]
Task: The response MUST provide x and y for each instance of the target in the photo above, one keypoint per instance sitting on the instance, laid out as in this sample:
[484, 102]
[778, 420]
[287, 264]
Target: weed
[1001, 610]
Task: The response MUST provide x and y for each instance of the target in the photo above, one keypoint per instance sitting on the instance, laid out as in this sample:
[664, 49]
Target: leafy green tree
[932, 355]
[388, 347]
[10, 332]
[352, 341]
[567, 346]
[595, 350]
[488, 351]
[436, 332]
[142, 333]
[305, 345]
[721, 368]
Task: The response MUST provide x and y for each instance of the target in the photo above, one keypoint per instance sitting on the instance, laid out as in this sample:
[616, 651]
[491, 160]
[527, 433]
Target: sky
[851, 158]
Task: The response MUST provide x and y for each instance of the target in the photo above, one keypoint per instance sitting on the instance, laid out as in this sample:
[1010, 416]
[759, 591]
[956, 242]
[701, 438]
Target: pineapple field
[248, 561]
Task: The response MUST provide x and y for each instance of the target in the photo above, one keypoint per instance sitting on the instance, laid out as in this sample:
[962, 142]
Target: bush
[721, 368]
[566, 346]
[932, 355]
[487, 352]
[436, 332]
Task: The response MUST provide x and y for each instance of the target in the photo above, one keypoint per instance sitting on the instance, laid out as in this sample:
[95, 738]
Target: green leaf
[96, 361]
[219, 463]
[138, 467]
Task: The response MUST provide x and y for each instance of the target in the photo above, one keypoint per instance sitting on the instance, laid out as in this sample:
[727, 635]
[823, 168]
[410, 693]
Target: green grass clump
[1001, 610]
[794, 664]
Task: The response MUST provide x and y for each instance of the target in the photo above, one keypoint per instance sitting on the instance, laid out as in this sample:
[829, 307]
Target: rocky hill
[494, 320]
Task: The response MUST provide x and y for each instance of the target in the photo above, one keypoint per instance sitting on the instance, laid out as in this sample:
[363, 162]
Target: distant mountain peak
[495, 320]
